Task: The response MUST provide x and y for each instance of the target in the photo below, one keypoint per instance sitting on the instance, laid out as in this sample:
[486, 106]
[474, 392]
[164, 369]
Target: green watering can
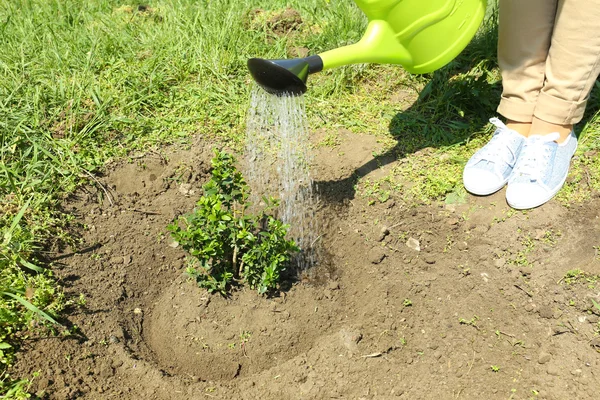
[420, 35]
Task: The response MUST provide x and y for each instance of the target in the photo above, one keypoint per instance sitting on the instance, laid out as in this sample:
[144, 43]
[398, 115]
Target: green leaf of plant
[596, 304]
[15, 222]
[31, 266]
[31, 307]
[458, 196]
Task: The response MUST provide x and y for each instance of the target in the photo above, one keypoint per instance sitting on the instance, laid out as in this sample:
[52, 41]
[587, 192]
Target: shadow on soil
[456, 103]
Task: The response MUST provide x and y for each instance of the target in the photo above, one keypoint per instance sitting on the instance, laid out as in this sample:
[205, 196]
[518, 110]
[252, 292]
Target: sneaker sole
[528, 206]
[483, 192]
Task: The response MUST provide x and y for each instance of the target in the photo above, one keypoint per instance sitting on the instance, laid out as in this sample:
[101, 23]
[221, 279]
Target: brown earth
[280, 23]
[437, 301]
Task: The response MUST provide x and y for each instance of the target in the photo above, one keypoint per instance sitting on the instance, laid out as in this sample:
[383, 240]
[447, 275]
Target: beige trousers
[549, 57]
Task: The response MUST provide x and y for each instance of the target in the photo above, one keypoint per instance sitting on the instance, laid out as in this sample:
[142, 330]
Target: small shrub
[225, 241]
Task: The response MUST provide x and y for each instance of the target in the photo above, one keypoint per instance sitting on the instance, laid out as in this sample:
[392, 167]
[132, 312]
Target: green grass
[84, 82]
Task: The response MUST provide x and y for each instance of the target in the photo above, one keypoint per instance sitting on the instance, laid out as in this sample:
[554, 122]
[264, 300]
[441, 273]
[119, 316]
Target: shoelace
[501, 139]
[535, 156]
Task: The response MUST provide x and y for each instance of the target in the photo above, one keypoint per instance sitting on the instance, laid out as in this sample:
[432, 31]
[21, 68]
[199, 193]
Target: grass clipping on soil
[226, 242]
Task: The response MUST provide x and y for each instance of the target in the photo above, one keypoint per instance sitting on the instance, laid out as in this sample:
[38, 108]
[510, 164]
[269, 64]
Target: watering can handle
[427, 20]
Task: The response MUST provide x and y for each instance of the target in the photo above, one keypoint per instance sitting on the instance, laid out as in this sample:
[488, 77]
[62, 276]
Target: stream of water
[278, 160]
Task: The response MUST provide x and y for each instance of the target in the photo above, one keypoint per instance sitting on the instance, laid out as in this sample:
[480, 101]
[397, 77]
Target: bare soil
[434, 301]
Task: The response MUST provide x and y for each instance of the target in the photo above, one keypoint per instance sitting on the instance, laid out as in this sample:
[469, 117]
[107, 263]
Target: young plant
[596, 306]
[472, 321]
[226, 241]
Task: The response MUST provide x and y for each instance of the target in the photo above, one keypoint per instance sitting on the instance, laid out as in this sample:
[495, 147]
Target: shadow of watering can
[420, 35]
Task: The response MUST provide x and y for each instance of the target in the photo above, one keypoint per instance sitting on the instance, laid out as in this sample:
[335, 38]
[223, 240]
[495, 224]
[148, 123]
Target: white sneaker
[541, 170]
[490, 167]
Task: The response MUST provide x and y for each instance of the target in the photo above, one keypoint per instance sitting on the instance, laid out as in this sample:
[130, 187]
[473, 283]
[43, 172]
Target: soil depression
[382, 318]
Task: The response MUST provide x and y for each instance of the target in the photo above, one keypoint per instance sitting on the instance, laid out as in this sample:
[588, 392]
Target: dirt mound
[280, 22]
[214, 338]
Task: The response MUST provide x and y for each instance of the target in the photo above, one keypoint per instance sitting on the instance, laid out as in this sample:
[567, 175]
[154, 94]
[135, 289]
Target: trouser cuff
[516, 110]
[547, 108]
[558, 111]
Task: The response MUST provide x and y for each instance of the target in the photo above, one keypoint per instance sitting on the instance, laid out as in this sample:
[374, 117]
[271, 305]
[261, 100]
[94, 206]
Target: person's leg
[541, 127]
[571, 69]
[524, 37]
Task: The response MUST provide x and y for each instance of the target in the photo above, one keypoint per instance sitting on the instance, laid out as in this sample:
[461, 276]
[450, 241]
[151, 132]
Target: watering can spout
[378, 46]
[284, 77]
[420, 35]
[281, 77]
